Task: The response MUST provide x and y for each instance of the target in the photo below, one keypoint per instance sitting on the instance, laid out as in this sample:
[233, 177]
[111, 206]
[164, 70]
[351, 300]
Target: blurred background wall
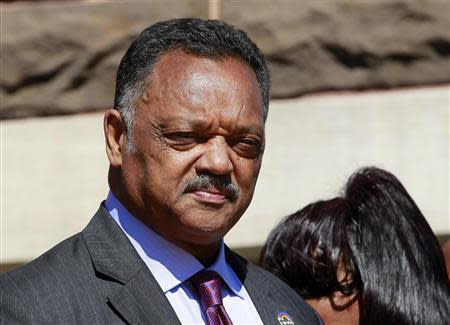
[355, 83]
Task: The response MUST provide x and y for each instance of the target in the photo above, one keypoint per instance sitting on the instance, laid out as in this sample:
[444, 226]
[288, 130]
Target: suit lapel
[267, 307]
[139, 299]
[142, 301]
[253, 280]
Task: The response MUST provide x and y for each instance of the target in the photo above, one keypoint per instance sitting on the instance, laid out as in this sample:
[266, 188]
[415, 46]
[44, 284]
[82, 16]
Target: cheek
[349, 316]
[145, 170]
[354, 313]
[247, 172]
[133, 168]
[324, 309]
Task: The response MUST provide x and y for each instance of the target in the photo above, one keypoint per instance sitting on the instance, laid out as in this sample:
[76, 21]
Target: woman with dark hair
[368, 257]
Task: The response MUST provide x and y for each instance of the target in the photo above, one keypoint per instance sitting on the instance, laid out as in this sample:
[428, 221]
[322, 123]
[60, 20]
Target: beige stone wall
[60, 57]
[315, 143]
[54, 169]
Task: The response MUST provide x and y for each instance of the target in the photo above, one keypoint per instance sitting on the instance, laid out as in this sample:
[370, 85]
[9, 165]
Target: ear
[114, 137]
[341, 302]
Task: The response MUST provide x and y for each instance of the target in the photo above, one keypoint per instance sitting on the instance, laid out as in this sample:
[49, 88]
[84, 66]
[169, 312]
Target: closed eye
[247, 147]
[183, 140]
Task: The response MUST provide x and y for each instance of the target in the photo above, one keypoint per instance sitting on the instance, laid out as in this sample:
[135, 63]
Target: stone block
[62, 57]
[315, 46]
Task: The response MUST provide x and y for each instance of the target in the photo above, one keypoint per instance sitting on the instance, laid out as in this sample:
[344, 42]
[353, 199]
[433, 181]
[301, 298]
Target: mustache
[221, 183]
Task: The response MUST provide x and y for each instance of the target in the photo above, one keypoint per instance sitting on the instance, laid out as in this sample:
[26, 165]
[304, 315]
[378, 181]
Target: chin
[205, 225]
[208, 234]
[205, 234]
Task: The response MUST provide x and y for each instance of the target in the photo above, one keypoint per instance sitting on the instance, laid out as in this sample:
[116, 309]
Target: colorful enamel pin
[284, 318]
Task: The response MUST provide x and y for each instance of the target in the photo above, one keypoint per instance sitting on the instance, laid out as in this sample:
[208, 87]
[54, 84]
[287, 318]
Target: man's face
[199, 137]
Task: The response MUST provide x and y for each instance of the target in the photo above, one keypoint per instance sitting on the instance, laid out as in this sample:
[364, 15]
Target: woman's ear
[341, 302]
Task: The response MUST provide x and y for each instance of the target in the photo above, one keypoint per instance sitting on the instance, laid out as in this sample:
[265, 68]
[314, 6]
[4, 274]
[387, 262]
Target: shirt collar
[169, 264]
[226, 272]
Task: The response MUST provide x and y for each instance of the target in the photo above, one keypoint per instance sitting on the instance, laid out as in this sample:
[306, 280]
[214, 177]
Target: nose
[215, 159]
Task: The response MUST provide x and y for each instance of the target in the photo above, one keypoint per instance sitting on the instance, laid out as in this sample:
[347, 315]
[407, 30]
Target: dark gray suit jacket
[96, 277]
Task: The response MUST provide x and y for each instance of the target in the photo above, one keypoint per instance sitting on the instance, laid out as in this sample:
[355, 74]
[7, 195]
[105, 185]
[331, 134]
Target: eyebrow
[198, 123]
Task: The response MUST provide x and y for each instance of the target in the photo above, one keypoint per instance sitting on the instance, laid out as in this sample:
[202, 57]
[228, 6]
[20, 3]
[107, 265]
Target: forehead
[187, 86]
[180, 64]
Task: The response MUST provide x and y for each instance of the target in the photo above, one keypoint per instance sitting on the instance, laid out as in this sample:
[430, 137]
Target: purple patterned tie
[209, 287]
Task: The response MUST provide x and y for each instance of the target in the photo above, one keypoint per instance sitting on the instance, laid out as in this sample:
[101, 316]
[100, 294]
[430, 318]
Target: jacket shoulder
[58, 259]
[282, 292]
[270, 295]
[46, 284]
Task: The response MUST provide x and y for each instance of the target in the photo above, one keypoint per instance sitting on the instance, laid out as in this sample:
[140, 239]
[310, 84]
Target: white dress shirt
[172, 266]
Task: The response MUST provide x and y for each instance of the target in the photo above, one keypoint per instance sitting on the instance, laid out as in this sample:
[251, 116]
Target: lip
[210, 195]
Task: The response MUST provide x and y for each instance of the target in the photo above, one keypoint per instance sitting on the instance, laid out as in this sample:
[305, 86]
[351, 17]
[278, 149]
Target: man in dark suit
[185, 143]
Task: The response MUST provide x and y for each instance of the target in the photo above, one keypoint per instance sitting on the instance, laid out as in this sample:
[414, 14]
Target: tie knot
[209, 287]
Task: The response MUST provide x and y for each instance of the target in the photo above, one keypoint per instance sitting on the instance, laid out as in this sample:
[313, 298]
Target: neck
[205, 254]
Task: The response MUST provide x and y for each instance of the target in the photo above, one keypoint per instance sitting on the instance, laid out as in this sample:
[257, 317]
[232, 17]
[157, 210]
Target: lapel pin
[284, 318]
